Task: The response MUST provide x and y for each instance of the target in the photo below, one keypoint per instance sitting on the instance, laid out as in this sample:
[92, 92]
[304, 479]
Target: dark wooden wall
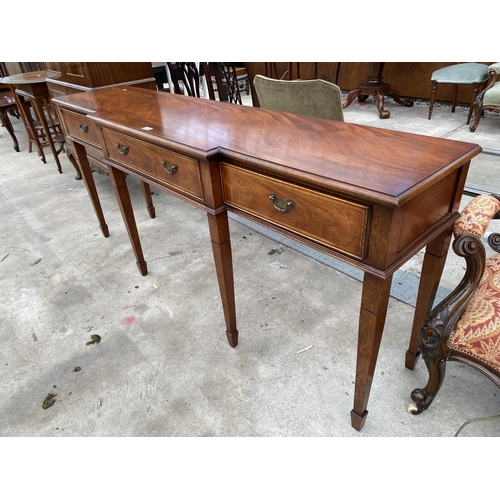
[413, 79]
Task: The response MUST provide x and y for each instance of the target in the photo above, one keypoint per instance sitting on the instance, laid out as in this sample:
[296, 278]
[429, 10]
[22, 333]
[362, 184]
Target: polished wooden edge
[83, 88]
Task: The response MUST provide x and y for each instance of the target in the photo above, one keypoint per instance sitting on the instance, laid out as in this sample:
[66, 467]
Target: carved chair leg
[477, 116]
[474, 96]
[435, 361]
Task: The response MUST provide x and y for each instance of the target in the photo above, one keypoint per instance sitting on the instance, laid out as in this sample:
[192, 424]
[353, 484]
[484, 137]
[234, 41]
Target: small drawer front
[335, 222]
[171, 169]
[80, 127]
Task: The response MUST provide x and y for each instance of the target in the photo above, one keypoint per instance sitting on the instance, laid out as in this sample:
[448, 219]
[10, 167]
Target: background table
[33, 87]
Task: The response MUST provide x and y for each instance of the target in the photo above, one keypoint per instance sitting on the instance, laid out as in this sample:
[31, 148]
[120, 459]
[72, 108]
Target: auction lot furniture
[367, 196]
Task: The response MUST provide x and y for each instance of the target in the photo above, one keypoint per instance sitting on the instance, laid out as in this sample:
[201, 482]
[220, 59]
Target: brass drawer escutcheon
[122, 148]
[281, 204]
[83, 128]
[170, 168]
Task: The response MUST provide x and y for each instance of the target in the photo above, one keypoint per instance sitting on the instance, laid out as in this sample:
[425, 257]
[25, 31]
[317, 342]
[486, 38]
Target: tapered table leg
[80, 157]
[221, 246]
[118, 180]
[149, 199]
[374, 302]
[432, 269]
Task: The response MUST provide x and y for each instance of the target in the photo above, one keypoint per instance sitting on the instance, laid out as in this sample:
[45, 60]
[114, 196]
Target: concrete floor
[163, 366]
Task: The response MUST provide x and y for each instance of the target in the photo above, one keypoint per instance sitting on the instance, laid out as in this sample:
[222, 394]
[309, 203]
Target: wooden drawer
[332, 221]
[170, 169]
[80, 127]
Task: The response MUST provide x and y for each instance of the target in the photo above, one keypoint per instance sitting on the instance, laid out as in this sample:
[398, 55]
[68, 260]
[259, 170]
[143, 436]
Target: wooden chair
[192, 77]
[465, 326]
[289, 71]
[489, 98]
[459, 74]
[317, 98]
[227, 81]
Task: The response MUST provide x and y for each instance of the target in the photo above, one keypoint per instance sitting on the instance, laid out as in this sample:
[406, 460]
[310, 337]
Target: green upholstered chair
[317, 98]
[489, 98]
[465, 326]
[459, 74]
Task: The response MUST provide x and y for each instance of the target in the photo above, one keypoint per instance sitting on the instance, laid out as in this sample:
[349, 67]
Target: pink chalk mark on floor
[128, 320]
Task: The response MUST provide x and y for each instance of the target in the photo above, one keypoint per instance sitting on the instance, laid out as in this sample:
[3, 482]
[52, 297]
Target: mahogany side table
[370, 197]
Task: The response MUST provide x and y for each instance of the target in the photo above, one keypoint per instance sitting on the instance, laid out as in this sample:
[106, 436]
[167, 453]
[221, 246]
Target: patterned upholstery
[477, 333]
[476, 216]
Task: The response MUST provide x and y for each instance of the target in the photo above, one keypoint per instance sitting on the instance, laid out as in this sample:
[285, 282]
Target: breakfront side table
[369, 197]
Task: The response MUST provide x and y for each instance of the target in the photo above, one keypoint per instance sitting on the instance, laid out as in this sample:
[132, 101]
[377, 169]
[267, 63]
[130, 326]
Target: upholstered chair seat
[459, 74]
[465, 326]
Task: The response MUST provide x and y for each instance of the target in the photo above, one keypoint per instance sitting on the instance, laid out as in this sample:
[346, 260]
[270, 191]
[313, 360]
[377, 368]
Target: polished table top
[389, 167]
[25, 78]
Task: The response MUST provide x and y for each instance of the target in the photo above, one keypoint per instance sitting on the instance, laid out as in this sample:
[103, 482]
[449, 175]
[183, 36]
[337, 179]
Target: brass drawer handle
[281, 204]
[170, 168]
[122, 148]
[83, 128]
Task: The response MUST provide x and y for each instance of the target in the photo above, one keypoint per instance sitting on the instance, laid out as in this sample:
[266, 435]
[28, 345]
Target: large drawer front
[332, 221]
[170, 169]
[80, 127]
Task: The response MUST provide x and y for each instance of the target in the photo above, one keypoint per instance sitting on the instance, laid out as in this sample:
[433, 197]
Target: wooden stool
[459, 74]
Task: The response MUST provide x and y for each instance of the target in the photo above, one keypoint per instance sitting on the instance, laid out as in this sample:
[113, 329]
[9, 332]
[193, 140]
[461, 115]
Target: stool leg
[434, 87]
[454, 98]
